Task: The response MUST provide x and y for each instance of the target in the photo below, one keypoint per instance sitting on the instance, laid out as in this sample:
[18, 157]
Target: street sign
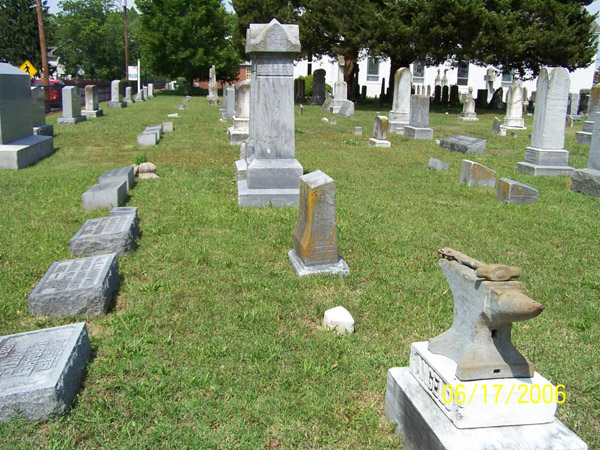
[133, 73]
[28, 68]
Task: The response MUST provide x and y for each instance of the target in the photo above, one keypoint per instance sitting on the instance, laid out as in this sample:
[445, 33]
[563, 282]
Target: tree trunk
[350, 60]
[45, 74]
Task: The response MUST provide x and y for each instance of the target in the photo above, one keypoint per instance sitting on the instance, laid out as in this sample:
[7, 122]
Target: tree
[183, 38]
[89, 36]
[19, 39]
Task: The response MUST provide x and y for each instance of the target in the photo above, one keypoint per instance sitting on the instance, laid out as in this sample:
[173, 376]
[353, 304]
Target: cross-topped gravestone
[41, 371]
[272, 176]
[546, 154]
[19, 147]
[400, 113]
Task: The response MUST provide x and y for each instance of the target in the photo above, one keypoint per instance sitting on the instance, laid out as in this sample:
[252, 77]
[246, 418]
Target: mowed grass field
[214, 342]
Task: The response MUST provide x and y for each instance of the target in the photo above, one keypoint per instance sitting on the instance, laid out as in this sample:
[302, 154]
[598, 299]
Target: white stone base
[545, 162]
[339, 268]
[241, 167]
[116, 104]
[487, 403]
[25, 152]
[70, 120]
[423, 426]
[418, 133]
[468, 119]
[90, 114]
[539, 170]
[396, 127]
[583, 137]
[506, 127]
[236, 137]
[379, 143]
[44, 130]
[265, 197]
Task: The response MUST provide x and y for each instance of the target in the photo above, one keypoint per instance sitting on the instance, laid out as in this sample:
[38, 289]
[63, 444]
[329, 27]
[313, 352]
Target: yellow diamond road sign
[28, 68]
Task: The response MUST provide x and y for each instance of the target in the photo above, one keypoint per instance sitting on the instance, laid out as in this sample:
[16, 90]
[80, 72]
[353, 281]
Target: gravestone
[180, 106]
[584, 100]
[315, 235]
[482, 96]
[475, 356]
[105, 195]
[128, 211]
[515, 99]
[41, 371]
[121, 174]
[319, 87]
[358, 131]
[115, 95]
[438, 78]
[445, 95]
[475, 174]
[272, 171]
[463, 144]
[419, 119]
[213, 93]
[497, 128]
[489, 78]
[468, 112]
[38, 113]
[240, 129]
[83, 286]
[92, 108]
[428, 90]
[340, 104]
[150, 136]
[145, 93]
[71, 107]
[546, 154]
[379, 138]
[230, 107]
[585, 136]
[587, 180]
[511, 191]
[437, 95]
[168, 127]
[150, 90]
[445, 79]
[497, 100]
[139, 96]
[299, 88]
[128, 98]
[454, 99]
[19, 147]
[573, 105]
[338, 319]
[400, 113]
[112, 234]
[437, 165]
[363, 92]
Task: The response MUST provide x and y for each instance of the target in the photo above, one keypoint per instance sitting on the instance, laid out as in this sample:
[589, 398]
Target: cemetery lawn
[214, 342]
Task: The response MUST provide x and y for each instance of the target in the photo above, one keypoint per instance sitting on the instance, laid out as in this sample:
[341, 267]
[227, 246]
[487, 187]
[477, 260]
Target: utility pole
[124, 3]
[40, 19]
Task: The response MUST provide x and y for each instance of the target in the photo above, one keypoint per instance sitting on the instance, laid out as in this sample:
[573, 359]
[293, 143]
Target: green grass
[216, 343]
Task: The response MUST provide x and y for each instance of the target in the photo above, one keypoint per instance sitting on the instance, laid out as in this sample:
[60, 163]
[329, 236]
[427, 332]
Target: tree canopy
[19, 39]
[186, 37]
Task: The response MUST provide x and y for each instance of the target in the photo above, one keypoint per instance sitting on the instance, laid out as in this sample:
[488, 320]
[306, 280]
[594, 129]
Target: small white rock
[338, 319]
[325, 120]
[173, 115]
[147, 167]
[437, 141]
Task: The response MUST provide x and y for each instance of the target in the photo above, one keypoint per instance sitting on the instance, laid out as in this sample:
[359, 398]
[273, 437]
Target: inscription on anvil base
[40, 371]
[483, 403]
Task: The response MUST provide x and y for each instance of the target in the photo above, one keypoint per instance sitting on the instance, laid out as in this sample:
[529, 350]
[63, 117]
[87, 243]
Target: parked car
[55, 91]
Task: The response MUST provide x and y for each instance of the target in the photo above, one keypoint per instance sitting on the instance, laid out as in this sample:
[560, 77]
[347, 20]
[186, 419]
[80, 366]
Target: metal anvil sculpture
[486, 302]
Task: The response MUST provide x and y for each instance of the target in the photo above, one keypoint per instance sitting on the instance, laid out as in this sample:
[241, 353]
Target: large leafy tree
[184, 38]
[19, 37]
[89, 36]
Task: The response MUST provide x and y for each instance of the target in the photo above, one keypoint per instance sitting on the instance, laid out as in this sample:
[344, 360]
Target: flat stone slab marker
[122, 173]
[463, 144]
[41, 371]
[113, 234]
[105, 195]
[76, 286]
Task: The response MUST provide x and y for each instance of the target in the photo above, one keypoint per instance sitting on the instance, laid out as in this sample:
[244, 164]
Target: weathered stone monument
[151, 135]
[445, 95]
[437, 165]
[83, 286]
[419, 118]
[272, 171]
[299, 89]
[92, 108]
[400, 113]
[128, 98]
[150, 90]
[437, 95]
[41, 371]
[454, 95]
[468, 112]
[340, 104]
[463, 144]
[460, 386]
[514, 106]
[315, 235]
[230, 107]
[19, 147]
[139, 96]
[546, 154]
[481, 100]
[38, 113]
[115, 95]
[145, 93]
[71, 106]
[112, 234]
[489, 78]
[585, 136]
[497, 101]
[379, 138]
[475, 174]
[318, 87]
[511, 191]
[587, 180]
[111, 189]
[240, 129]
[213, 93]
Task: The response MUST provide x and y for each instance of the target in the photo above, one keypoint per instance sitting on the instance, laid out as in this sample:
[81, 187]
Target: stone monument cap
[316, 179]
[272, 38]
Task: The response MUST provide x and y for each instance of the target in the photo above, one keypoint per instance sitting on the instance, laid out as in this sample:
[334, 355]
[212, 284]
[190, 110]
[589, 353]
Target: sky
[53, 4]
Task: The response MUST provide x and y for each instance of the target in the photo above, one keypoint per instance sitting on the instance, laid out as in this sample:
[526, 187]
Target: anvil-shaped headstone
[486, 302]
